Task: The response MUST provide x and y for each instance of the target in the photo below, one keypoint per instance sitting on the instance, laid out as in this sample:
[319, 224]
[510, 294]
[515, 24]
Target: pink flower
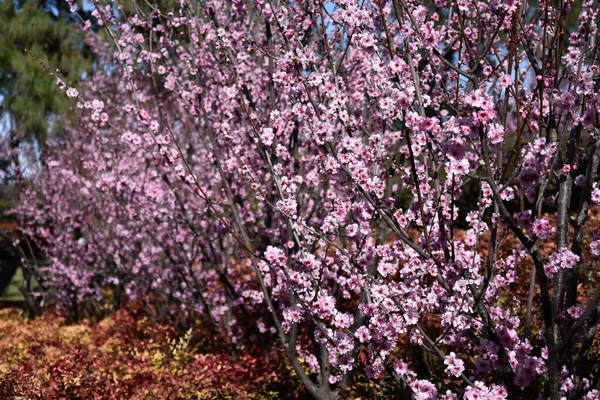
[267, 136]
[61, 85]
[72, 92]
[596, 196]
[455, 366]
[505, 80]
[575, 312]
[362, 334]
[595, 248]
[495, 133]
[275, 256]
[423, 390]
[542, 228]
[562, 259]
[455, 150]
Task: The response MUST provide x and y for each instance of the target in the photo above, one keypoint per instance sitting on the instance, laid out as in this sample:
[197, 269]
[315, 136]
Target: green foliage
[35, 43]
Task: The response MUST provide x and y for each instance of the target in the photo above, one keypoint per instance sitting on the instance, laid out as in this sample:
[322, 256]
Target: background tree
[36, 39]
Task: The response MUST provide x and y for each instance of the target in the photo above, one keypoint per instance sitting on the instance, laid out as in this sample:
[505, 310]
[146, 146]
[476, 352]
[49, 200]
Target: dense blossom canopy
[298, 169]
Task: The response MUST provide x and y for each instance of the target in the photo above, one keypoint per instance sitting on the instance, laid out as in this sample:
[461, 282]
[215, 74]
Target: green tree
[37, 37]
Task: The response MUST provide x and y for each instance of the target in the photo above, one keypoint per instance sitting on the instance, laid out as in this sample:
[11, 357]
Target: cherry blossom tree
[297, 170]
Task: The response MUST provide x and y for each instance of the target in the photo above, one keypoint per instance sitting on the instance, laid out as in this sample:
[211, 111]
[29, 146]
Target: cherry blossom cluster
[300, 171]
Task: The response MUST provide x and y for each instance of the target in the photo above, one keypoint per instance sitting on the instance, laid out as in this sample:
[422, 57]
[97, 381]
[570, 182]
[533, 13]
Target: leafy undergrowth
[126, 356]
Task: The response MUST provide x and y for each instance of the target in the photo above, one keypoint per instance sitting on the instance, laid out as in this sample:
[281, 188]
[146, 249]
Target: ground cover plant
[128, 356]
[294, 173]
